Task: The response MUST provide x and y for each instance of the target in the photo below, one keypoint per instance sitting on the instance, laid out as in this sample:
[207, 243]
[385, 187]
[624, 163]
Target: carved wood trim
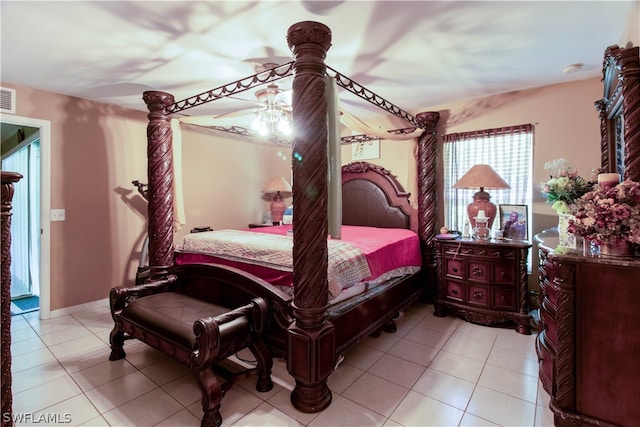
[8, 181]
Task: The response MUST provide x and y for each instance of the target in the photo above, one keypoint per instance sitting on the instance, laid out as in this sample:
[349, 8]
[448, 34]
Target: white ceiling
[416, 54]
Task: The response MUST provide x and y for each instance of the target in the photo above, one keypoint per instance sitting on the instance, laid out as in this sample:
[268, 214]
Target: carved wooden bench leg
[116, 338]
[211, 396]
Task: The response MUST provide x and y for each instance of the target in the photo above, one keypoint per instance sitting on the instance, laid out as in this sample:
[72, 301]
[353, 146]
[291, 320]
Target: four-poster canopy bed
[305, 329]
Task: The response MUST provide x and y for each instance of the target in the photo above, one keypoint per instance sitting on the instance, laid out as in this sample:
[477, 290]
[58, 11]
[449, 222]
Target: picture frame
[365, 150]
[521, 229]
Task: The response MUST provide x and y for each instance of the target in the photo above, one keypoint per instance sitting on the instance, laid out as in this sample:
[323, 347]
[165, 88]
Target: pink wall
[96, 151]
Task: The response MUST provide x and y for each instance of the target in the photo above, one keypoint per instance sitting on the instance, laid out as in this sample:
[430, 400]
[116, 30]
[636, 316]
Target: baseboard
[93, 305]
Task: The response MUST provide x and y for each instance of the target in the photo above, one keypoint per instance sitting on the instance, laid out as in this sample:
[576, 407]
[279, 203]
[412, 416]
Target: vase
[565, 239]
[616, 249]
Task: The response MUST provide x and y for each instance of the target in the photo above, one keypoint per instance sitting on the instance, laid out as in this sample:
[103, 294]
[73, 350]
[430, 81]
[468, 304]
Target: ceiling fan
[270, 116]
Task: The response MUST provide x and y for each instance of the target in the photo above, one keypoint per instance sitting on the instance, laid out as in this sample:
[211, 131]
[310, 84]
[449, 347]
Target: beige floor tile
[38, 375]
[451, 390]
[146, 410]
[267, 415]
[376, 393]
[472, 331]
[21, 347]
[517, 385]
[282, 401]
[102, 373]
[526, 364]
[458, 366]
[120, 391]
[78, 348]
[31, 359]
[79, 360]
[142, 355]
[516, 343]
[470, 420]
[237, 403]
[397, 370]
[501, 408]
[165, 370]
[96, 422]
[473, 349]
[183, 418]
[362, 357]
[543, 396]
[544, 417]
[427, 337]
[414, 352]
[419, 410]
[383, 343]
[22, 333]
[343, 377]
[67, 335]
[184, 389]
[74, 411]
[344, 412]
[447, 324]
[45, 395]
[45, 327]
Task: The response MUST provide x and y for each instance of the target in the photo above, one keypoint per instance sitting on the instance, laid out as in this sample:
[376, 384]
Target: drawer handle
[477, 271]
[502, 298]
[478, 294]
[454, 291]
[503, 274]
[454, 269]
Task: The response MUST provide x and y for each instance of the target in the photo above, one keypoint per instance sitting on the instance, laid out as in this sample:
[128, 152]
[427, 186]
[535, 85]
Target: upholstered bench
[193, 331]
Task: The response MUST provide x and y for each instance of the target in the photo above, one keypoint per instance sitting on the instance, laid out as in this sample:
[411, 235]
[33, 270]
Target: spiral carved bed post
[311, 338]
[428, 194]
[160, 175]
[8, 181]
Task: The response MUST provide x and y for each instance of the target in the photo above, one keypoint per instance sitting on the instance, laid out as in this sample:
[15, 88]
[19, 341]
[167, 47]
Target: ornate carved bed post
[311, 338]
[160, 175]
[427, 195]
[8, 181]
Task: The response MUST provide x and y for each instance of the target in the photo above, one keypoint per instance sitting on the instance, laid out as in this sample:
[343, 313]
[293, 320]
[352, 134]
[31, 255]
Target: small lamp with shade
[481, 176]
[277, 186]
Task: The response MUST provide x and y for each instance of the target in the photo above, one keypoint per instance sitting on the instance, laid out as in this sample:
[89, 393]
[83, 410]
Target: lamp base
[481, 203]
[277, 207]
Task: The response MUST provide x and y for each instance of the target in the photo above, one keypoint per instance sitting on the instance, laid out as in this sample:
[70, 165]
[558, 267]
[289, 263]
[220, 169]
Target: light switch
[57, 214]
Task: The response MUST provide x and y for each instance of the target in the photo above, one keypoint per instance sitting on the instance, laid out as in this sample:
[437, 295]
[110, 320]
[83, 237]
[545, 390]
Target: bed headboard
[372, 197]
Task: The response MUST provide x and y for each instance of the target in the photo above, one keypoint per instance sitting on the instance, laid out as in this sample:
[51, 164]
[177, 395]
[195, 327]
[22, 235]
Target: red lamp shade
[481, 176]
[277, 186]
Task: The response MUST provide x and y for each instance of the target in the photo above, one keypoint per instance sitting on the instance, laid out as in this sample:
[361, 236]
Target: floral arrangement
[564, 186]
[609, 215]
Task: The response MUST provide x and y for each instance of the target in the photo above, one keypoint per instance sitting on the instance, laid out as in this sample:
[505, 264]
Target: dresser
[589, 346]
[483, 281]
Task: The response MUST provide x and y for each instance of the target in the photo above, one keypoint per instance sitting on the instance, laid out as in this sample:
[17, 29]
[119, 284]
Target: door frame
[45, 204]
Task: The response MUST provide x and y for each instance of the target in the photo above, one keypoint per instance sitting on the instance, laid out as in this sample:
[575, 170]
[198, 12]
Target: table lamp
[481, 176]
[277, 186]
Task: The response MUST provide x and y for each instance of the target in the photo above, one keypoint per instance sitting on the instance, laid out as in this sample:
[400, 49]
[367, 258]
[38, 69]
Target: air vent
[7, 100]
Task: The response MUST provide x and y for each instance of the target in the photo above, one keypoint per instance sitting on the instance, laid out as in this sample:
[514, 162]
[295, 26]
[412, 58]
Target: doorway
[41, 128]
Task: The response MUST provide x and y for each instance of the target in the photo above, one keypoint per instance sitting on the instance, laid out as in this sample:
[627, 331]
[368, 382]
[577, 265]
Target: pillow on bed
[287, 218]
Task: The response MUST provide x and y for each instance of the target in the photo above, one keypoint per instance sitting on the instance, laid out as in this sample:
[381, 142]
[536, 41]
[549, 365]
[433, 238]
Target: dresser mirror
[620, 112]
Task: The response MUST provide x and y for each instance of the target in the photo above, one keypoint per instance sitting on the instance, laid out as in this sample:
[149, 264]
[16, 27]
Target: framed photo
[366, 150]
[513, 222]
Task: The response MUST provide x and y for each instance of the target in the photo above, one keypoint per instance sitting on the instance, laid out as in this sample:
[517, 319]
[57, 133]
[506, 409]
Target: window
[508, 150]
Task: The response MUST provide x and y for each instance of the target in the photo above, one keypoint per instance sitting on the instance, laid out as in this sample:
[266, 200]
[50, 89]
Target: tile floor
[431, 372]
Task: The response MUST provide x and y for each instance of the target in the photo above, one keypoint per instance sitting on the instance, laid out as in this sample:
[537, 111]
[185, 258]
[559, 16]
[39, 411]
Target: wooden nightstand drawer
[478, 295]
[455, 268]
[479, 272]
[504, 273]
[455, 290]
[504, 298]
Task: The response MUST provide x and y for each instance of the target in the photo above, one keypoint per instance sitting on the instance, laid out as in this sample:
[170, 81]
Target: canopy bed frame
[305, 328]
[619, 111]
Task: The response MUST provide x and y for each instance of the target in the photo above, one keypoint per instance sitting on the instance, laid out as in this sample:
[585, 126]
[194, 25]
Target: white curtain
[508, 150]
[25, 220]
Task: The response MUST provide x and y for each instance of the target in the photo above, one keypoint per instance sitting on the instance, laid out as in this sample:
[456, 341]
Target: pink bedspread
[361, 255]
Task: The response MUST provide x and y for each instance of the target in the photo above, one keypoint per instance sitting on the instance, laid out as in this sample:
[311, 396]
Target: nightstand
[484, 281]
